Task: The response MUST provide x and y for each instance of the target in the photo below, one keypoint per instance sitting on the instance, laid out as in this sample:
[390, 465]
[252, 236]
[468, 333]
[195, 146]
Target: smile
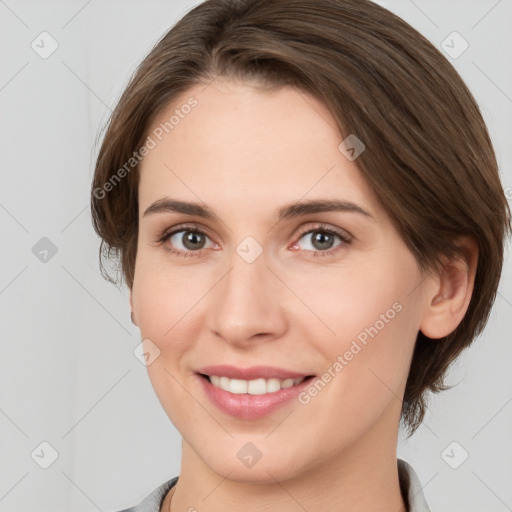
[251, 393]
[253, 387]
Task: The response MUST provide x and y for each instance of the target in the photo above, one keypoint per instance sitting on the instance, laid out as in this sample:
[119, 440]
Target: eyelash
[320, 228]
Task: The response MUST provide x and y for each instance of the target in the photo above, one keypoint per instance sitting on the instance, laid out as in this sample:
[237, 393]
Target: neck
[362, 477]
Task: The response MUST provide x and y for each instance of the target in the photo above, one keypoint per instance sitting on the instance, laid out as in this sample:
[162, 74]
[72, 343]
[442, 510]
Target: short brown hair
[428, 154]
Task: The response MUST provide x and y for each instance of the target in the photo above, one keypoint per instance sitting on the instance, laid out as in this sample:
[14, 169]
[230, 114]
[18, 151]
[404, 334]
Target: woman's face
[262, 249]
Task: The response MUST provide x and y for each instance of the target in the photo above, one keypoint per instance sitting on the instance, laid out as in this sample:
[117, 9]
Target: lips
[244, 400]
[251, 373]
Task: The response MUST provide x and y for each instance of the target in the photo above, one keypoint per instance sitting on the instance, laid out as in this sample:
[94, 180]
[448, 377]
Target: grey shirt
[409, 484]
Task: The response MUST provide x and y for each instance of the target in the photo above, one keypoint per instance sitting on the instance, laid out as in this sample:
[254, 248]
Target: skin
[245, 152]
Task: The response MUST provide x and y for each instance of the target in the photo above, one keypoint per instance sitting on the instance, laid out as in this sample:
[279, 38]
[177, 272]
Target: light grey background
[68, 375]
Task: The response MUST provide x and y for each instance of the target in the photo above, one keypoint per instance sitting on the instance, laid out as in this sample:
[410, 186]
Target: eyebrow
[286, 212]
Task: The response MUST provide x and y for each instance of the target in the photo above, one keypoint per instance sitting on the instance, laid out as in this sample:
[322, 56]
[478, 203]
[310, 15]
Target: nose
[247, 304]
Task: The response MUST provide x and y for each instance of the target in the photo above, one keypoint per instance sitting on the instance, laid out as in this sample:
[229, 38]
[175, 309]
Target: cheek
[355, 302]
[365, 373]
[373, 318]
[164, 298]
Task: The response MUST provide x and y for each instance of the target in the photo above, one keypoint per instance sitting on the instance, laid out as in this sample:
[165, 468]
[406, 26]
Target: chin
[241, 461]
[260, 473]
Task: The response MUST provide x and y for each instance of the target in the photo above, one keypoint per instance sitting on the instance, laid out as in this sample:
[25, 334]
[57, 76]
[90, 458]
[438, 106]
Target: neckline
[404, 479]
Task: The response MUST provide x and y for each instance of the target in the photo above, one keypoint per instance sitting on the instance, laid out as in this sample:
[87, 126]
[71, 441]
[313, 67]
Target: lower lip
[250, 407]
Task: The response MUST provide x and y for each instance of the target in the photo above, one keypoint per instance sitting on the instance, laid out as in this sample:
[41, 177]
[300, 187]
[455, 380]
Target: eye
[184, 241]
[323, 240]
[187, 241]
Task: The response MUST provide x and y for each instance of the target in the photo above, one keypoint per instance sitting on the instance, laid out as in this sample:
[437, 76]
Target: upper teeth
[253, 387]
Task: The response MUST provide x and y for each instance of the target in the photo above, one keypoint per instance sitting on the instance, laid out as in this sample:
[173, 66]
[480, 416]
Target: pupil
[190, 240]
[322, 240]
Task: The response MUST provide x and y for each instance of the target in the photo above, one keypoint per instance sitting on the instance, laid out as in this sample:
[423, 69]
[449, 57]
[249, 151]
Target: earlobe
[451, 293]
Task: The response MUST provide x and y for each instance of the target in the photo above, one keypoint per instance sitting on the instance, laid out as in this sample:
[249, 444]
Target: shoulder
[152, 502]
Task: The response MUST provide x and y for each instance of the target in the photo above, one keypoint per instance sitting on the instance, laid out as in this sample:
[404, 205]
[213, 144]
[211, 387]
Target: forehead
[230, 136]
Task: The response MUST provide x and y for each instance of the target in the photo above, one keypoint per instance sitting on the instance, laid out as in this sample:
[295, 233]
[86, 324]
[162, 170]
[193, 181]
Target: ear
[450, 294]
[132, 313]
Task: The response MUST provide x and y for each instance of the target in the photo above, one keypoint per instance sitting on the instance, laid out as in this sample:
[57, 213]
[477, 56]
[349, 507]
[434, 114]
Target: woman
[306, 205]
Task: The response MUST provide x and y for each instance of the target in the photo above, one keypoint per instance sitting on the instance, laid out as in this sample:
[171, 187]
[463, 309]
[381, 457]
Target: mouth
[251, 393]
[259, 386]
